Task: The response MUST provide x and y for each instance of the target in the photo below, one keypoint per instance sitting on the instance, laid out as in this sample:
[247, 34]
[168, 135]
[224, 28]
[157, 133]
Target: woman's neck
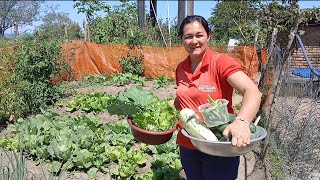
[196, 62]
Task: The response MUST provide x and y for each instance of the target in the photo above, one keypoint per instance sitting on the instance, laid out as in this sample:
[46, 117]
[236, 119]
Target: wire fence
[295, 129]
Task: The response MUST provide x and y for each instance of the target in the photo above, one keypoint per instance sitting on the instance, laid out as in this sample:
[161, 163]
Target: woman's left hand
[240, 133]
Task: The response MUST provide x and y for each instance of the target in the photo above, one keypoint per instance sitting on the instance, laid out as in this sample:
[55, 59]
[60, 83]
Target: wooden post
[141, 14]
[65, 30]
[181, 11]
[168, 22]
[84, 30]
[16, 29]
[190, 8]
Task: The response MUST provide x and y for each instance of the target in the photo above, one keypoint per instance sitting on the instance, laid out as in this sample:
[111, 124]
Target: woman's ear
[209, 38]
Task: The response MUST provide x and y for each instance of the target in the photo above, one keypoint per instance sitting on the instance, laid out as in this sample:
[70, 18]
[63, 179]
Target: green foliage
[154, 37]
[58, 25]
[95, 79]
[27, 80]
[6, 42]
[84, 144]
[234, 19]
[131, 101]
[237, 107]
[161, 81]
[136, 39]
[278, 15]
[121, 79]
[20, 12]
[165, 170]
[120, 26]
[275, 162]
[147, 111]
[311, 15]
[97, 102]
[247, 20]
[159, 116]
[90, 7]
[132, 64]
[117, 24]
[69, 142]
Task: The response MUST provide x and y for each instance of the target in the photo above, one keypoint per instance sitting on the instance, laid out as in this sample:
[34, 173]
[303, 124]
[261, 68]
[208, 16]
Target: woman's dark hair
[190, 19]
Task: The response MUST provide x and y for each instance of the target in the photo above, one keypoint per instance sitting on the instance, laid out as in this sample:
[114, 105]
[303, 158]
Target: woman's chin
[196, 53]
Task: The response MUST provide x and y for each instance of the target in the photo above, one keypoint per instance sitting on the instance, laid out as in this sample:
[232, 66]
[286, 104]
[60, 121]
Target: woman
[204, 72]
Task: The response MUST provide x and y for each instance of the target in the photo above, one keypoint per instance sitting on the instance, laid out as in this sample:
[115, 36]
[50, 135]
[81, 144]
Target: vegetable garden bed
[79, 139]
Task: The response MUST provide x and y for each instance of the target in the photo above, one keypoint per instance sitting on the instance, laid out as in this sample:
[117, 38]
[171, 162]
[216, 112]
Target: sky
[202, 8]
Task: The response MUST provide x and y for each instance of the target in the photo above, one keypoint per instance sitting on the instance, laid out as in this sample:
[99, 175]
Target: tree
[17, 12]
[57, 25]
[121, 21]
[234, 19]
[90, 7]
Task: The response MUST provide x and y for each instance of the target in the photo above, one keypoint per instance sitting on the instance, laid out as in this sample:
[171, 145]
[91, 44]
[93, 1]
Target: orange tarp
[88, 58]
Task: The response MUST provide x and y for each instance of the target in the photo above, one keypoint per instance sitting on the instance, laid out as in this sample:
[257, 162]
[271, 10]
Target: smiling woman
[205, 73]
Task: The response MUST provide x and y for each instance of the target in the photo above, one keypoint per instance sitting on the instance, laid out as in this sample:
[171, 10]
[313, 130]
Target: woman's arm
[239, 130]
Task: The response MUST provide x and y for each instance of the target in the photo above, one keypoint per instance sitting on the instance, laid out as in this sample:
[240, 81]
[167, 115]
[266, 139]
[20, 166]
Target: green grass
[6, 42]
[276, 170]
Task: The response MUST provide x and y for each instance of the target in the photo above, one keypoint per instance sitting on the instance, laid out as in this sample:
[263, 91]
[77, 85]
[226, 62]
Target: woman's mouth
[194, 48]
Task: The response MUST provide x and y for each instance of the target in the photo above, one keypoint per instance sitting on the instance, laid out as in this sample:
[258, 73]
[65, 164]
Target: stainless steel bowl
[224, 149]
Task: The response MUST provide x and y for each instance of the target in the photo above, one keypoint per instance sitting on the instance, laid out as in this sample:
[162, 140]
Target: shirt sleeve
[227, 65]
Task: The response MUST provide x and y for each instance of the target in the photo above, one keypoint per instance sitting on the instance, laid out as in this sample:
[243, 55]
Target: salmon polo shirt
[211, 79]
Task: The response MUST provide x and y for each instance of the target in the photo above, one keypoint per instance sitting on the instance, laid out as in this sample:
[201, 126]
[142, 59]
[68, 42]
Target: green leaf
[92, 173]
[55, 166]
[138, 96]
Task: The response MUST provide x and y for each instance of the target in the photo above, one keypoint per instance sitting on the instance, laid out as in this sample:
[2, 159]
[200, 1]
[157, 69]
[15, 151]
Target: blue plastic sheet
[304, 72]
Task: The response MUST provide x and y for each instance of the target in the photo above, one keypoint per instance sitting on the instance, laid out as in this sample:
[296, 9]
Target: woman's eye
[188, 37]
[199, 35]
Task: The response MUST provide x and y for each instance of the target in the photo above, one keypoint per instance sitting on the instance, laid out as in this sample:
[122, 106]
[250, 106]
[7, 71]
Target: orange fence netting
[88, 58]
[84, 58]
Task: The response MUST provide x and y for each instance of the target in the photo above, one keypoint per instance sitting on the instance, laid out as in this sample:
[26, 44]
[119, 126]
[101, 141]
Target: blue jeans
[201, 166]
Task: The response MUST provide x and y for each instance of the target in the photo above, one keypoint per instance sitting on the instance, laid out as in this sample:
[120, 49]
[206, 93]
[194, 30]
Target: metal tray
[224, 149]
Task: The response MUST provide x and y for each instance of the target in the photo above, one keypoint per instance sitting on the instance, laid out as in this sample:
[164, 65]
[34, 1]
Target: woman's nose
[194, 39]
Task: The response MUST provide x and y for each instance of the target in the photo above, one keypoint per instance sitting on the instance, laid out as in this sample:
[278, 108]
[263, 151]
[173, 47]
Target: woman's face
[195, 39]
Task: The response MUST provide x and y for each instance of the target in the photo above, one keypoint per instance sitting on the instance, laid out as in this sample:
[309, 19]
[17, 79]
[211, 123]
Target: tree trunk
[190, 7]
[264, 69]
[16, 29]
[141, 14]
[181, 11]
[1, 33]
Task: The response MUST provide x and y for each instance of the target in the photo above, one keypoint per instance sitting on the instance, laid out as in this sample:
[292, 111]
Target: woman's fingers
[226, 132]
[239, 141]
[240, 134]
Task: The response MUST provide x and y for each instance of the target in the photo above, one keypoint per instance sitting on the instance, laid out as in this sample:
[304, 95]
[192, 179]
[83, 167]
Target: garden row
[85, 143]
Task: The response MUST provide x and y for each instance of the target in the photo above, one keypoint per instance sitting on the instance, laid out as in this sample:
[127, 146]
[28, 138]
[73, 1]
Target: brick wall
[311, 41]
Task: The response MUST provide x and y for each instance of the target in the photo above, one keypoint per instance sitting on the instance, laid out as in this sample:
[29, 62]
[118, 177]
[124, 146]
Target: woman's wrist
[241, 119]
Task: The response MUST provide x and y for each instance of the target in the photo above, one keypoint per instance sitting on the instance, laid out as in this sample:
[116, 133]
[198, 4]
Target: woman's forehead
[194, 27]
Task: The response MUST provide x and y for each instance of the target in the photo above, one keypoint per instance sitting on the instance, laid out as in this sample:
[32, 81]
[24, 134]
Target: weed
[161, 81]
[132, 64]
